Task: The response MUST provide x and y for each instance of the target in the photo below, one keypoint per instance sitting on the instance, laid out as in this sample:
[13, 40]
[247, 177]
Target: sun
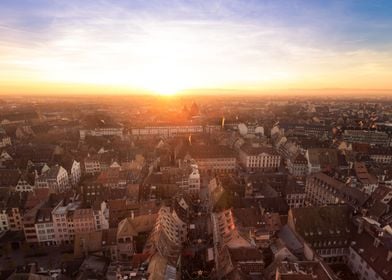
[165, 78]
[165, 89]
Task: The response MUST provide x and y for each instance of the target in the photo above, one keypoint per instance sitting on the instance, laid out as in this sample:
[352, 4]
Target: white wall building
[44, 228]
[259, 158]
[63, 224]
[102, 131]
[169, 131]
[75, 173]
[55, 179]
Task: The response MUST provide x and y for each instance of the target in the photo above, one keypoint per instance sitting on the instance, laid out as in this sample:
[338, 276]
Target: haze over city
[196, 47]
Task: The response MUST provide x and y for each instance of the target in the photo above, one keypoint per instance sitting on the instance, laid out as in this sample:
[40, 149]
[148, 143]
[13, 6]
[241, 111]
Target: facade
[44, 227]
[29, 221]
[370, 252]
[127, 232]
[4, 225]
[91, 190]
[298, 166]
[24, 185]
[192, 185]
[15, 219]
[255, 225]
[63, 224]
[75, 173]
[212, 158]
[316, 131]
[9, 178]
[322, 189]
[368, 182]
[5, 158]
[225, 232]
[101, 131]
[92, 165]
[168, 182]
[288, 270]
[170, 230]
[84, 220]
[240, 263]
[326, 229]
[381, 156]
[321, 158]
[4, 141]
[367, 136]
[55, 179]
[295, 195]
[168, 131]
[259, 158]
[174, 227]
[101, 216]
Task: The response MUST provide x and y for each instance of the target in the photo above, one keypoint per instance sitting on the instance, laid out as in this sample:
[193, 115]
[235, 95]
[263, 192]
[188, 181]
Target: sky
[169, 47]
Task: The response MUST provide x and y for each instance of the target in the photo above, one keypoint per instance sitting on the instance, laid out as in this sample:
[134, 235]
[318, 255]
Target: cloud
[218, 44]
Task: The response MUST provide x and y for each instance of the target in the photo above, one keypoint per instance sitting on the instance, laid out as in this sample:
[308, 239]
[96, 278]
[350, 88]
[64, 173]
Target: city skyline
[173, 47]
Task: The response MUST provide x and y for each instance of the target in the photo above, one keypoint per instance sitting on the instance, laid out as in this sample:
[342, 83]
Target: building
[91, 191]
[322, 189]
[326, 229]
[225, 232]
[4, 225]
[256, 225]
[55, 179]
[192, 185]
[370, 252]
[101, 215]
[321, 158]
[25, 183]
[304, 270]
[298, 166]
[4, 141]
[44, 227]
[367, 136]
[170, 231]
[168, 131]
[368, 182]
[128, 231]
[84, 220]
[74, 171]
[316, 131]
[29, 220]
[92, 165]
[173, 223]
[258, 157]
[9, 178]
[295, 194]
[5, 159]
[11, 208]
[168, 182]
[380, 155]
[104, 130]
[63, 225]
[240, 263]
[212, 158]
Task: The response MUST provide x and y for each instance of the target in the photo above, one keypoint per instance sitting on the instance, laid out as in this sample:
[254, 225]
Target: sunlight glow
[185, 49]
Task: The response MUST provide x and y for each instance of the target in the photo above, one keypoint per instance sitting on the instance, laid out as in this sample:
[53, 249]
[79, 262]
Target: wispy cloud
[233, 44]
